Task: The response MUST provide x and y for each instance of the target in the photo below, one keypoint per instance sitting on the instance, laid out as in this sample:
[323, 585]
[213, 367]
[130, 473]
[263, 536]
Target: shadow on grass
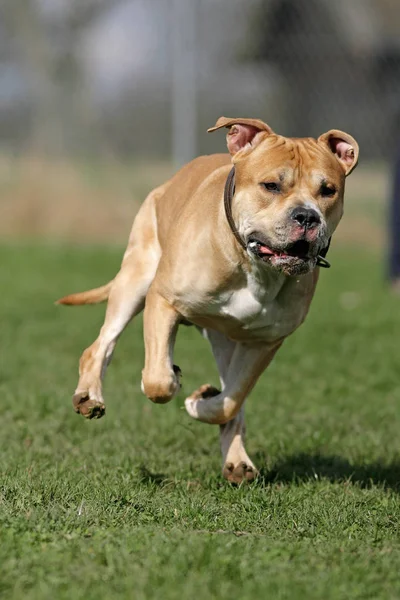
[313, 467]
[149, 478]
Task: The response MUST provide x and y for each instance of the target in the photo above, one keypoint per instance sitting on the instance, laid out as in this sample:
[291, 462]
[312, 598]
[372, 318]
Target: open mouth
[299, 250]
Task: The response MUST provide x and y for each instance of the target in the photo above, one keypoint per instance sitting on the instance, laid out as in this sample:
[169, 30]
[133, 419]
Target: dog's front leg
[160, 377]
[248, 362]
[237, 466]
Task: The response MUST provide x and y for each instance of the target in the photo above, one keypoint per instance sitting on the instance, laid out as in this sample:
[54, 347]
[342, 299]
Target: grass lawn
[133, 505]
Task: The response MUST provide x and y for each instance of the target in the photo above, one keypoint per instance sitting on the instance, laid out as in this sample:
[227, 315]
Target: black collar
[229, 192]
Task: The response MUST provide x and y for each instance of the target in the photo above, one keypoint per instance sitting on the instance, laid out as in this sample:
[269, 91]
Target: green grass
[133, 505]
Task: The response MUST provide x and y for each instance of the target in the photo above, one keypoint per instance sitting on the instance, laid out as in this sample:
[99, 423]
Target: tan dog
[244, 273]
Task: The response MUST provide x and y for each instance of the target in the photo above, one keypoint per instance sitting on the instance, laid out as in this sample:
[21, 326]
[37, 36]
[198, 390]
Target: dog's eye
[271, 186]
[326, 191]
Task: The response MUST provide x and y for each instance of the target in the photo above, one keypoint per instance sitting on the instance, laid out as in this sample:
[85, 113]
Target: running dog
[231, 244]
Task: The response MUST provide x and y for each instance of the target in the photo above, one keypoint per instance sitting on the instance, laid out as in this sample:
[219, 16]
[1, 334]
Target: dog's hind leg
[126, 299]
[236, 464]
[247, 363]
[212, 406]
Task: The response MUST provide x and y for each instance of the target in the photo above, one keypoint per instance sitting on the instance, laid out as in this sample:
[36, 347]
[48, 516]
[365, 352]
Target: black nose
[306, 217]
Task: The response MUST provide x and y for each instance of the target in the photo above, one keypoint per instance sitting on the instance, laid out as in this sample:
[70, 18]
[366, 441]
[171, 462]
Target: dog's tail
[95, 296]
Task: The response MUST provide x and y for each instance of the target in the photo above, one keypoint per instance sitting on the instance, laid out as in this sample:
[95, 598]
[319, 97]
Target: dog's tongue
[265, 250]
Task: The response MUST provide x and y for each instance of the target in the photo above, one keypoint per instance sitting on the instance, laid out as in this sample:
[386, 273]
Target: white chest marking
[263, 304]
[247, 307]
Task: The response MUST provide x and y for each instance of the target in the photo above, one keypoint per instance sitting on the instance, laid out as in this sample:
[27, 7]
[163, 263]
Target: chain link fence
[146, 78]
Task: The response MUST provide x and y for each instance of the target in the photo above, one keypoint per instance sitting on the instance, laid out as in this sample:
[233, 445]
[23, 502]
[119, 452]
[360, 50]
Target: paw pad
[239, 473]
[88, 407]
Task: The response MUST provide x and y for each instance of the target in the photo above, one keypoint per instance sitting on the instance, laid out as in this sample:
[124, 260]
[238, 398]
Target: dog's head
[289, 191]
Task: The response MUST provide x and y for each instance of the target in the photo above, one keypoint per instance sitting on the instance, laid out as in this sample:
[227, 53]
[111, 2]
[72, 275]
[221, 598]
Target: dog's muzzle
[296, 258]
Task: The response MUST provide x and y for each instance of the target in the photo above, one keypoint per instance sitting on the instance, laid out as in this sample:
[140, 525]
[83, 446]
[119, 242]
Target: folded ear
[343, 146]
[242, 132]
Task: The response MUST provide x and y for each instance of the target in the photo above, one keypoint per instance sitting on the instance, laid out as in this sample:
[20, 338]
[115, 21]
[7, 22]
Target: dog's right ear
[243, 133]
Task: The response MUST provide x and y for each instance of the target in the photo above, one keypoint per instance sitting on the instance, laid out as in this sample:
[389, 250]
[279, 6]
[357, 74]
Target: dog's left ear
[343, 146]
[242, 132]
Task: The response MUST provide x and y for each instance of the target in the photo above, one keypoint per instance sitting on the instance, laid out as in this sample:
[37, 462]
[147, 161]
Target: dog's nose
[306, 217]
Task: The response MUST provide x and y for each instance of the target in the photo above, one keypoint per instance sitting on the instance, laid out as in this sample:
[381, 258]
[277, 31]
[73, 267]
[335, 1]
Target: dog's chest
[264, 308]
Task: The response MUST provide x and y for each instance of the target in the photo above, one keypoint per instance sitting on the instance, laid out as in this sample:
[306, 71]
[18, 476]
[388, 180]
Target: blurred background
[100, 100]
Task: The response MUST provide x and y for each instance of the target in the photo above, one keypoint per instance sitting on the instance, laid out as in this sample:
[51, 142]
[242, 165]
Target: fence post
[183, 97]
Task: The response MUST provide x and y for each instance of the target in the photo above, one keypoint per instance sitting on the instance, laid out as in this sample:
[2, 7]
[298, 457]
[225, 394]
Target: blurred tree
[324, 55]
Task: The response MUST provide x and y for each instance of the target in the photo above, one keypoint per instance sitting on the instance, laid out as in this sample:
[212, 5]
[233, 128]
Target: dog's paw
[163, 388]
[240, 472]
[90, 408]
[196, 403]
